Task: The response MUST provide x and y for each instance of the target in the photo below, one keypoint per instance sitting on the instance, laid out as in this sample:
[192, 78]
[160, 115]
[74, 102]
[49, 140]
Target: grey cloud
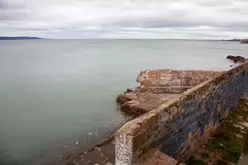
[155, 23]
[14, 15]
[33, 29]
[3, 4]
[7, 4]
[214, 3]
[97, 18]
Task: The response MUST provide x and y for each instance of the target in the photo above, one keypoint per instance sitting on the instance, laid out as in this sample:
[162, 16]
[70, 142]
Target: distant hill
[19, 38]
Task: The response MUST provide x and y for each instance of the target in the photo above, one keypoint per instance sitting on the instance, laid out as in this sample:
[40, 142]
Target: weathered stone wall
[246, 86]
[181, 125]
[174, 78]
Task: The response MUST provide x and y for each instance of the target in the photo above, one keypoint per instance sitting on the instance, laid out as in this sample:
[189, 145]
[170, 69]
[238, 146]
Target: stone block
[175, 82]
[133, 128]
[108, 163]
[166, 76]
[139, 140]
[173, 110]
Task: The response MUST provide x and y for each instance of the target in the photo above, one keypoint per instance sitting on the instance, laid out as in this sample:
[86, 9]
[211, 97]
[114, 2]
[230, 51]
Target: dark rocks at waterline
[236, 59]
[244, 41]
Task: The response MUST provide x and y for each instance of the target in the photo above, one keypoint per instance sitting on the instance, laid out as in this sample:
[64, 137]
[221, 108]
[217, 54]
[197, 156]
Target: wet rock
[108, 163]
[132, 89]
[236, 59]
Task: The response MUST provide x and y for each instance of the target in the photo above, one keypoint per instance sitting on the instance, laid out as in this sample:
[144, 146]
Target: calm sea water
[58, 96]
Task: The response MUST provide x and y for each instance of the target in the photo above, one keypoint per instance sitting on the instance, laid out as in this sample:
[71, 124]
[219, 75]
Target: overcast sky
[185, 19]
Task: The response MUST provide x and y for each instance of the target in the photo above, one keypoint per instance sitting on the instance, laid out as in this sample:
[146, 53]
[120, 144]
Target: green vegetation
[229, 140]
[205, 155]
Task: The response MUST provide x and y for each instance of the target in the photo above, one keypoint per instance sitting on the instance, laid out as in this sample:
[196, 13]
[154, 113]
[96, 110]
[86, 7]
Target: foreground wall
[181, 125]
[246, 87]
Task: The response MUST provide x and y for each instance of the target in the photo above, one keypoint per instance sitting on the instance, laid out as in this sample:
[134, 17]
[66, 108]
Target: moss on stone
[193, 161]
[221, 162]
[205, 155]
[229, 140]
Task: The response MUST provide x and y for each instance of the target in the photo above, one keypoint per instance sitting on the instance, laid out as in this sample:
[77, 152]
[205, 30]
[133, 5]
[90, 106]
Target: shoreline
[133, 98]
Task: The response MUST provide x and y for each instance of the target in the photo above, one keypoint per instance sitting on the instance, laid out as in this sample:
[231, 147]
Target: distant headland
[19, 38]
[242, 41]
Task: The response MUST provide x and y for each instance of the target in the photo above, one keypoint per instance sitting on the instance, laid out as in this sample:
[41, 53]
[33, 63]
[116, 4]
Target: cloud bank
[170, 19]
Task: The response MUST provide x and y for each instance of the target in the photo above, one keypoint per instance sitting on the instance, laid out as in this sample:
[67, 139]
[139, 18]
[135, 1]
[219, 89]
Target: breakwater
[179, 126]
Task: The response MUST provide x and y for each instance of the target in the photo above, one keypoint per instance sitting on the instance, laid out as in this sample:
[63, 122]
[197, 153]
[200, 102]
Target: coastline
[19, 38]
[100, 155]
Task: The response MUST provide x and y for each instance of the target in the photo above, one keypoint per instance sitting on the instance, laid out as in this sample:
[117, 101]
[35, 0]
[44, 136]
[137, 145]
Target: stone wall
[174, 78]
[181, 125]
[246, 86]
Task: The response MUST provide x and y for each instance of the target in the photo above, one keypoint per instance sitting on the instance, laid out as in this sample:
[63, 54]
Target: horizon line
[110, 38]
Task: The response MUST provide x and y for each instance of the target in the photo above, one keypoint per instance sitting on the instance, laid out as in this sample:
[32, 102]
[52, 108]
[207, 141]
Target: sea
[58, 97]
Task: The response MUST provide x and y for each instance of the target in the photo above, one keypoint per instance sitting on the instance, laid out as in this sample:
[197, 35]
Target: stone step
[155, 157]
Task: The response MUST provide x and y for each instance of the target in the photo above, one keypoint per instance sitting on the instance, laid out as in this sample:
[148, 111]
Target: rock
[236, 59]
[244, 41]
[108, 163]
[245, 124]
[132, 89]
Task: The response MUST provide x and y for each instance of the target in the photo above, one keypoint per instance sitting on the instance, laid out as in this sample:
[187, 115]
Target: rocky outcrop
[236, 59]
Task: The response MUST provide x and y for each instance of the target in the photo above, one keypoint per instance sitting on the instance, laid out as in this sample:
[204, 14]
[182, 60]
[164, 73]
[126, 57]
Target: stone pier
[158, 87]
[180, 126]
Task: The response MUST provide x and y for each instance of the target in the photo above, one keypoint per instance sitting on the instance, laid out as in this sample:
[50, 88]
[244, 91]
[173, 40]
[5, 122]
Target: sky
[146, 19]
